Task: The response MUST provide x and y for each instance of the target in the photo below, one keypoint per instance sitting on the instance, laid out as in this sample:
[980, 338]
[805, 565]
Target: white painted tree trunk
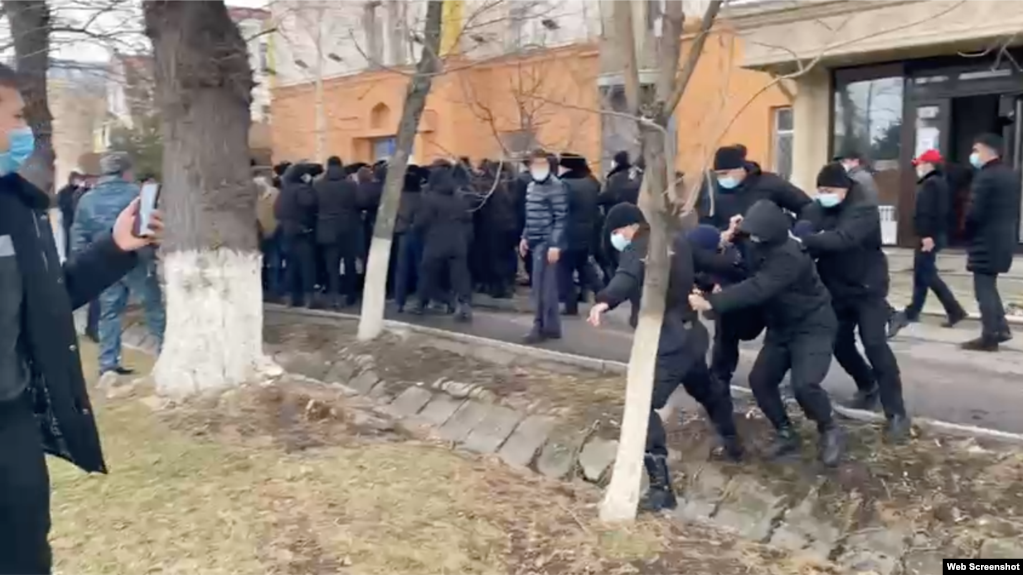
[371, 322]
[214, 322]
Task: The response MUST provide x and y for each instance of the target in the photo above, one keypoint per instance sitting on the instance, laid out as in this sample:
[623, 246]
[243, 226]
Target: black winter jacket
[500, 214]
[583, 213]
[847, 244]
[443, 220]
[370, 194]
[408, 208]
[757, 186]
[992, 221]
[339, 220]
[621, 186]
[930, 215]
[783, 278]
[296, 206]
[48, 338]
[681, 331]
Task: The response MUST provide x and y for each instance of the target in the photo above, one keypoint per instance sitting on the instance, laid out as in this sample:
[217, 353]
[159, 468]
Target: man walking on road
[930, 222]
[95, 217]
[544, 237]
[992, 226]
[44, 405]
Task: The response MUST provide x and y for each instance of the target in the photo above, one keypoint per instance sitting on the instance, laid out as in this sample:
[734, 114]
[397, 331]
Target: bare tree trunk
[30, 25]
[371, 321]
[211, 263]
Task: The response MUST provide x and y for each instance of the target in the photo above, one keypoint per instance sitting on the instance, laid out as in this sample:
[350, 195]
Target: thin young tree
[211, 262]
[653, 110]
[371, 320]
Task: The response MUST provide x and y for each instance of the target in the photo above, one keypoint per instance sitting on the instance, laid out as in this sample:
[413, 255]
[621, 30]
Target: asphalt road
[940, 381]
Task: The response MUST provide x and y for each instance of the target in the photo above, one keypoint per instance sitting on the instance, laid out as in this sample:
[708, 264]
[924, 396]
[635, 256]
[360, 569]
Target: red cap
[929, 157]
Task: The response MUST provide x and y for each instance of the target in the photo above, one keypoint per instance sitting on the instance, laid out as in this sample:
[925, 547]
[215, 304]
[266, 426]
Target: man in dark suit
[992, 226]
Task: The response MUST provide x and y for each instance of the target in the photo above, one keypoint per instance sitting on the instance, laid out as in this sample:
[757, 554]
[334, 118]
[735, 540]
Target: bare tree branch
[683, 78]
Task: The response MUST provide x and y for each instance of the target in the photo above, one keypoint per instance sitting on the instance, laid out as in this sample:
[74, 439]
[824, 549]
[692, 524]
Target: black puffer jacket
[583, 212]
[546, 213]
[680, 321]
[933, 200]
[847, 244]
[296, 206]
[443, 220]
[338, 219]
[411, 200]
[783, 277]
[992, 221]
[758, 185]
[621, 186]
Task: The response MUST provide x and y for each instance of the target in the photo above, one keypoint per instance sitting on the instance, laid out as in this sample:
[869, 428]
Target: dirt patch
[577, 400]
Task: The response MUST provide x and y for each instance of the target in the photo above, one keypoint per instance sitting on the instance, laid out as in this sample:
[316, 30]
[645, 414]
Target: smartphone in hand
[148, 198]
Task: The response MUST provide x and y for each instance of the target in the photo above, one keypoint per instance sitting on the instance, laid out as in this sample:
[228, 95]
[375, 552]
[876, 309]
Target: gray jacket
[546, 213]
[862, 176]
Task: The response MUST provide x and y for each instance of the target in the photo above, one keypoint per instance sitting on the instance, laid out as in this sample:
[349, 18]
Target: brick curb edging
[620, 368]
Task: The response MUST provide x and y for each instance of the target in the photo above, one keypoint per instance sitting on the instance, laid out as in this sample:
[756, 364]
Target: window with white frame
[781, 142]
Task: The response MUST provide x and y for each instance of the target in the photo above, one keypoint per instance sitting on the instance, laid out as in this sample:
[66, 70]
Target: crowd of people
[460, 229]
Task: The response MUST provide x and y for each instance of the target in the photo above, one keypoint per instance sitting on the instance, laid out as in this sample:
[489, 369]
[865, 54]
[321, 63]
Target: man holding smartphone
[96, 214]
[44, 406]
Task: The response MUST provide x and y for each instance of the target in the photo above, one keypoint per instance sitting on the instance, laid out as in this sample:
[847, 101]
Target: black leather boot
[832, 445]
[731, 448]
[659, 495]
[898, 429]
[865, 400]
[786, 442]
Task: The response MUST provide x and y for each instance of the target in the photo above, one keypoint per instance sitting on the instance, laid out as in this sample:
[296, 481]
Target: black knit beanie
[833, 175]
[623, 215]
[729, 158]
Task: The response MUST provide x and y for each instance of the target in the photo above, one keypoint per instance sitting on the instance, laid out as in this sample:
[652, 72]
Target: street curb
[620, 368]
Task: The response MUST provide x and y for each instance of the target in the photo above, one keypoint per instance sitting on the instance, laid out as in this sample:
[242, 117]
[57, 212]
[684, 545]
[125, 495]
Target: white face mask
[922, 171]
[540, 174]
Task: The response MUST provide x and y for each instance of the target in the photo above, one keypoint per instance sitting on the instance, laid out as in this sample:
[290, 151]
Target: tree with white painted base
[211, 261]
[371, 320]
[653, 111]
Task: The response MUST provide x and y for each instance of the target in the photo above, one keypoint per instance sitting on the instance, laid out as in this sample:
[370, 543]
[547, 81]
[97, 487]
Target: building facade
[76, 92]
[517, 75]
[892, 78]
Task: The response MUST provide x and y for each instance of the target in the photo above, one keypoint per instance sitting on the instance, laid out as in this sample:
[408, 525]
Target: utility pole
[321, 113]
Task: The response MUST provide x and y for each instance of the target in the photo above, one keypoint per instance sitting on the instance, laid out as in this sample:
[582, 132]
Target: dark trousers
[926, 278]
[992, 313]
[406, 273]
[24, 493]
[729, 330]
[301, 267]
[870, 315]
[544, 287]
[503, 259]
[572, 262]
[435, 268]
[340, 281]
[688, 367]
[806, 356]
[273, 270]
[92, 319]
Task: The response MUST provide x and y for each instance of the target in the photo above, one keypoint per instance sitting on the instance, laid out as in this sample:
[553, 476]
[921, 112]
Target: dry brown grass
[218, 503]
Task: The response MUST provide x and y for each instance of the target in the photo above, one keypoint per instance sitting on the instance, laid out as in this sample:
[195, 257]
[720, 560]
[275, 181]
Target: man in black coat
[737, 185]
[931, 224]
[296, 216]
[583, 214]
[992, 226]
[681, 347]
[499, 219]
[444, 221]
[338, 231]
[44, 404]
[410, 243]
[800, 327]
[845, 237]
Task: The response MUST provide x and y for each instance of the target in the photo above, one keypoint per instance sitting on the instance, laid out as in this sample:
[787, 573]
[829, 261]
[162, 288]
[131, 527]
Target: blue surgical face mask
[975, 161]
[22, 143]
[828, 200]
[728, 183]
[619, 241]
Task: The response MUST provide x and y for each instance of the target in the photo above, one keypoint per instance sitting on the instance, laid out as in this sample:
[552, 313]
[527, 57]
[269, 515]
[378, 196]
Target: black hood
[294, 173]
[442, 182]
[413, 181]
[767, 221]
